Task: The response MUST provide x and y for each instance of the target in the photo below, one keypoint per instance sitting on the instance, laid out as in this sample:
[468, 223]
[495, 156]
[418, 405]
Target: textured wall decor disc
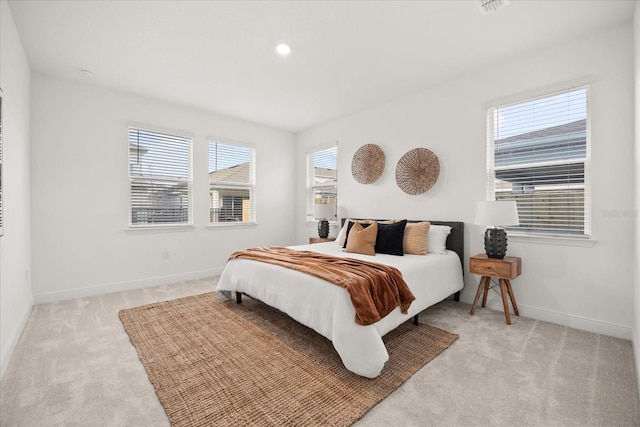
[367, 164]
[417, 171]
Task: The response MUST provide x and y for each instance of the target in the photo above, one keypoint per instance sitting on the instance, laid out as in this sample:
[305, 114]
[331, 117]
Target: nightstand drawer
[507, 268]
[321, 239]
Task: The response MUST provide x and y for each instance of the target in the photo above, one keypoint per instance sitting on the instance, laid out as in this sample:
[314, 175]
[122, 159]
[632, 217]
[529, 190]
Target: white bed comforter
[327, 308]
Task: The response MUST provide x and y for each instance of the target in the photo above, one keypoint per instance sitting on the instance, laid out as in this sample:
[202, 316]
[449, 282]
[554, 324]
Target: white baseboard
[565, 319]
[7, 351]
[636, 358]
[123, 286]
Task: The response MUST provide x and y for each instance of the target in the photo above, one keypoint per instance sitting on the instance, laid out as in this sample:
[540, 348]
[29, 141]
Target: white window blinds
[322, 184]
[538, 155]
[231, 183]
[159, 178]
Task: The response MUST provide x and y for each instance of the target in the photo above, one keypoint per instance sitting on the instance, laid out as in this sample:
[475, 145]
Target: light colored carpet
[213, 361]
[75, 366]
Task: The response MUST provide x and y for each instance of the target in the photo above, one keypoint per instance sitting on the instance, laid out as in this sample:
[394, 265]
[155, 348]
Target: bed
[327, 308]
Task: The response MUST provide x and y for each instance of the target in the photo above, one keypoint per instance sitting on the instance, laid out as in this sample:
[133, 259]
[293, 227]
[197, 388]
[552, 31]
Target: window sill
[221, 225]
[585, 242]
[160, 228]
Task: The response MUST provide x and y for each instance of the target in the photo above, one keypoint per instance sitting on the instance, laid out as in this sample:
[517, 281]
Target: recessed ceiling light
[283, 49]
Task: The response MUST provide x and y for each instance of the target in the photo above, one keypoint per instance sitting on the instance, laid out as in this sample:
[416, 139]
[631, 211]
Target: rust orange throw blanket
[375, 289]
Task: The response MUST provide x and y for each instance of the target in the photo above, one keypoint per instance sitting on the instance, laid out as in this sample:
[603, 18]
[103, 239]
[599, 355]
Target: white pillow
[437, 239]
[342, 235]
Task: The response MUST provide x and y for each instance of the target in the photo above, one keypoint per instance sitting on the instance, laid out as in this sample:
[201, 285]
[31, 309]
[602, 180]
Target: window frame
[310, 187]
[517, 234]
[234, 186]
[188, 180]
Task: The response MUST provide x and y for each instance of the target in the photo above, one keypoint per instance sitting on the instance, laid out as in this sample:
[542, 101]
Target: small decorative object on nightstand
[322, 212]
[321, 239]
[503, 269]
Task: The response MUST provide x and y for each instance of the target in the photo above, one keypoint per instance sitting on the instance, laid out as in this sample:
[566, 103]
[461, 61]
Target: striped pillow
[415, 238]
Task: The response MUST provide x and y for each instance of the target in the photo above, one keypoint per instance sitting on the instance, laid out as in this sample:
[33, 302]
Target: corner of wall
[636, 272]
[16, 296]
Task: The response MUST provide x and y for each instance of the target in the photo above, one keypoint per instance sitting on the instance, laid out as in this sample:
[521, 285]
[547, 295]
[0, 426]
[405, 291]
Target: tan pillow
[362, 240]
[342, 235]
[415, 238]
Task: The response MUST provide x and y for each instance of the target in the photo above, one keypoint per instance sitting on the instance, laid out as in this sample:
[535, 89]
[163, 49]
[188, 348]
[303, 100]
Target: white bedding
[327, 308]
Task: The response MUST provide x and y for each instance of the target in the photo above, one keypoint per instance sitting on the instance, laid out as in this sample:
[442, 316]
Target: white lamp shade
[501, 212]
[324, 210]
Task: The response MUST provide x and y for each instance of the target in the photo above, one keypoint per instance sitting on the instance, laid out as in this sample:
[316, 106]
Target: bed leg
[456, 296]
[238, 298]
[415, 319]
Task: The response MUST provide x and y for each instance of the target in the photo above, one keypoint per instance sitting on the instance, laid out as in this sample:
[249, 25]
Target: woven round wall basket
[417, 171]
[367, 164]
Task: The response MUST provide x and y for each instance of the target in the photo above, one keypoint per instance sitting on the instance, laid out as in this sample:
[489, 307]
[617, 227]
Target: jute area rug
[214, 362]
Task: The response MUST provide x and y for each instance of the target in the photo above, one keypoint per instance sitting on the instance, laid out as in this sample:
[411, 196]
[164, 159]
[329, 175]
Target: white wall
[584, 287]
[81, 245]
[636, 276]
[15, 245]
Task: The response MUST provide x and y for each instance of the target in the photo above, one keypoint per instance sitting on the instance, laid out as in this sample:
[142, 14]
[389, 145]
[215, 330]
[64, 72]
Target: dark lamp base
[323, 228]
[495, 242]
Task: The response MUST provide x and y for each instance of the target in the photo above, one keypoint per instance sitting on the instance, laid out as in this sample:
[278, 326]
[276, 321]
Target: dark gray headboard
[455, 241]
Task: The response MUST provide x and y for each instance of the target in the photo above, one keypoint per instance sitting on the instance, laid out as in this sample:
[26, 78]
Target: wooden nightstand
[503, 269]
[321, 239]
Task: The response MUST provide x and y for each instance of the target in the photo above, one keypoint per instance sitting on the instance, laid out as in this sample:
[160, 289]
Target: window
[322, 172]
[538, 155]
[159, 178]
[231, 183]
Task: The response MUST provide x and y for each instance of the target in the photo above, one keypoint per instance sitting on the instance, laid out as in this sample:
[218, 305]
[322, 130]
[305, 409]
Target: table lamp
[322, 212]
[496, 214]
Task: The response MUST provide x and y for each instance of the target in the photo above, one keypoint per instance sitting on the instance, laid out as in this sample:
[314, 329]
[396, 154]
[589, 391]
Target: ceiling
[347, 55]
